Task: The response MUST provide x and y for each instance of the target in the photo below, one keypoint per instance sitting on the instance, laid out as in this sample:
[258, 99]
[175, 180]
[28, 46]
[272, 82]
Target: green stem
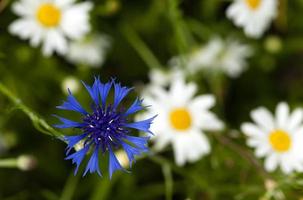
[243, 153]
[168, 181]
[103, 188]
[199, 29]
[141, 48]
[49, 195]
[39, 123]
[281, 20]
[181, 171]
[70, 187]
[182, 36]
[4, 4]
[8, 163]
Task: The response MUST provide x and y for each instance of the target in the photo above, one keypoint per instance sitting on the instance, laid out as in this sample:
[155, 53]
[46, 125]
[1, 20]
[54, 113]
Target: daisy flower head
[254, 16]
[277, 138]
[51, 23]
[182, 119]
[163, 78]
[218, 55]
[105, 128]
[90, 51]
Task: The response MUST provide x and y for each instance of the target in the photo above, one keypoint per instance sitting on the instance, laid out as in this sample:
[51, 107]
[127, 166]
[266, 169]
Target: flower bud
[70, 83]
[273, 44]
[122, 158]
[26, 162]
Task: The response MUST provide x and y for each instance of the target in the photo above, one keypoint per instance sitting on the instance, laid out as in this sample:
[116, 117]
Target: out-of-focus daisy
[90, 51]
[278, 138]
[51, 22]
[254, 16]
[182, 119]
[105, 128]
[218, 55]
[163, 77]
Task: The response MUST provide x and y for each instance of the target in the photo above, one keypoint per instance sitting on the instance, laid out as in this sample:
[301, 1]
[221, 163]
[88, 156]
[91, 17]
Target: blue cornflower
[105, 128]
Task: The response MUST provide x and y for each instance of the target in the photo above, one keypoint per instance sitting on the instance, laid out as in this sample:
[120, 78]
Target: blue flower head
[105, 128]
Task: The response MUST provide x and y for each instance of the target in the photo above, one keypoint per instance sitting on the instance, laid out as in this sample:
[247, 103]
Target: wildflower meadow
[151, 100]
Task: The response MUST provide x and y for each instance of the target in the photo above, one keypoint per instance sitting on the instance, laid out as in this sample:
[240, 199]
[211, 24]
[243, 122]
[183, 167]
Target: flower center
[280, 140]
[253, 4]
[104, 127]
[180, 119]
[48, 15]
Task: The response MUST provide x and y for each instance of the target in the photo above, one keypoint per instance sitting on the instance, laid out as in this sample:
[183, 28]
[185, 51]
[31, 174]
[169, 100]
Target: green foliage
[146, 34]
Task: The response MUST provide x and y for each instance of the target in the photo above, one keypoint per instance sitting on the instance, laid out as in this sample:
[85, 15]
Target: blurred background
[137, 37]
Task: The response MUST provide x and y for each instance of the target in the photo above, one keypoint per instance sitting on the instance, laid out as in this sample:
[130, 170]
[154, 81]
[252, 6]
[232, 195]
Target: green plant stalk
[103, 188]
[174, 16]
[49, 195]
[181, 171]
[181, 35]
[246, 155]
[39, 123]
[4, 4]
[9, 163]
[199, 29]
[141, 48]
[70, 187]
[168, 181]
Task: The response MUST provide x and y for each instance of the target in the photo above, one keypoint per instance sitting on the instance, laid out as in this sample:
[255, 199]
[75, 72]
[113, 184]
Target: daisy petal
[295, 119]
[271, 162]
[263, 118]
[282, 114]
[252, 130]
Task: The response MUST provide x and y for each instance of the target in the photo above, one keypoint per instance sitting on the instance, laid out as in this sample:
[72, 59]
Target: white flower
[182, 119]
[164, 77]
[90, 50]
[254, 16]
[227, 56]
[278, 138]
[51, 23]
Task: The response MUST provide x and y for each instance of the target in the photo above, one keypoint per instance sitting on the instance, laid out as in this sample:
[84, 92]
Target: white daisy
[90, 51]
[51, 22]
[278, 138]
[254, 16]
[181, 120]
[164, 77]
[227, 56]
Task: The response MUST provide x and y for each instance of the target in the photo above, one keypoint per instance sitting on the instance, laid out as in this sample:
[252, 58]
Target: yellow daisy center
[180, 119]
[48, 15]
[253, 4]
[280, 140]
